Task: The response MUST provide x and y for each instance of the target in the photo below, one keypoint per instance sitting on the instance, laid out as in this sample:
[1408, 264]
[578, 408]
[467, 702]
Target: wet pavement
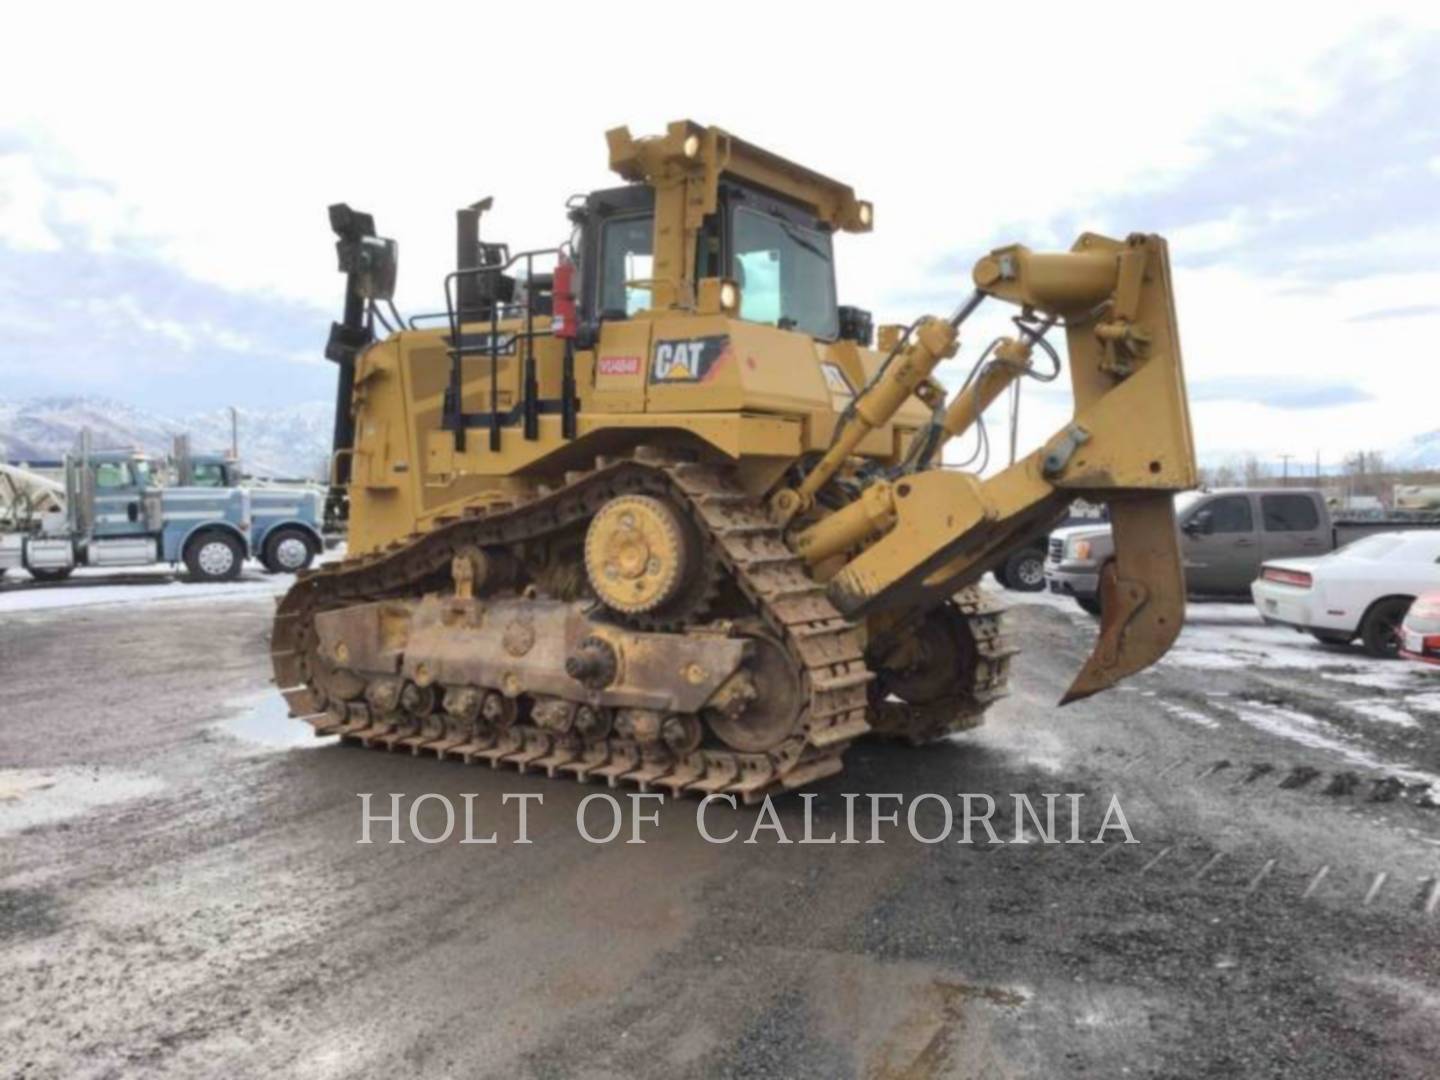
[182, 893]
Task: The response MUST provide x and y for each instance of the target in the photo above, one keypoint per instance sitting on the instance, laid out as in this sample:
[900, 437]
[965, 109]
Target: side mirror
[1200, 523]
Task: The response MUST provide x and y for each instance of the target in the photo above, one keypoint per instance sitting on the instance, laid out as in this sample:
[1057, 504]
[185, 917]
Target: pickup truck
[1224, 537]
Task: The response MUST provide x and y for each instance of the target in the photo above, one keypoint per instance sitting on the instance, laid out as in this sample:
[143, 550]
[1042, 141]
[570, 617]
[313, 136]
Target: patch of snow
[1394, 677]
[1179, 656]
[1426, 702]
[87, 588]
[1309, 731]
[1194, 716]
[1231, 637]
[1064, 604]
[30, 797]
[1380, 709]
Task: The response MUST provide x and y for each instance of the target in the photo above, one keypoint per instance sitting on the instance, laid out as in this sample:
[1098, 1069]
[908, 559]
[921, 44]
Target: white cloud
[24, 199]
[957, 122]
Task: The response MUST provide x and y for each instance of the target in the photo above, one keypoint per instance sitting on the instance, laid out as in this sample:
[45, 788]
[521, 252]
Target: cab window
[784, 272]
[1231, 514]
[1289, 513]
[626, 254]
[208, 474]
[112, 474]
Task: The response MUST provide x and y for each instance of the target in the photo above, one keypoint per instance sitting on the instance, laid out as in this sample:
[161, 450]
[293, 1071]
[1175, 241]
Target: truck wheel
[1380, 628]
[288, 551]
[59, 573]
[1089, 604]
[214, 556]
[1025, 572]
[1332, 637]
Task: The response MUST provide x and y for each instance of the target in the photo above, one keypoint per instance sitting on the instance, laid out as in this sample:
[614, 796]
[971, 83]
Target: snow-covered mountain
[290, 441]
[1421, 452]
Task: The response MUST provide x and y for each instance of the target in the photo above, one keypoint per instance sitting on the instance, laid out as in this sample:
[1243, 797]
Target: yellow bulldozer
[653, 508]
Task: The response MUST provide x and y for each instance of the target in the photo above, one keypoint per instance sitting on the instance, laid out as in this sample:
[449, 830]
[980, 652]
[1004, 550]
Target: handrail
[453, 411]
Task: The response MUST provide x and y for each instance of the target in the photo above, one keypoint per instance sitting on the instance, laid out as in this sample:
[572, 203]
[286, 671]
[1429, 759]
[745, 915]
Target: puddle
[264, 721]
[30, 797]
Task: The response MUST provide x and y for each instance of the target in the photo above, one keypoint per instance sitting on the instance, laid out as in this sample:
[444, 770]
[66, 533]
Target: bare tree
[1256, 472]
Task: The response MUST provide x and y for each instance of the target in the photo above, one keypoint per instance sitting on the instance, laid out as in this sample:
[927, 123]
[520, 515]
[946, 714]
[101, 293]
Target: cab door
[1221, 546]
[119, 508]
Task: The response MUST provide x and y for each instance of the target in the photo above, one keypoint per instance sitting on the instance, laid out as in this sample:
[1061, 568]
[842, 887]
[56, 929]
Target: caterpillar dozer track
[650, 507]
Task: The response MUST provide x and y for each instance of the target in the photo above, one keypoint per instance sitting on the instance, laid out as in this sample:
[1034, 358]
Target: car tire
[1380, 628]
[214, 556]
[58, 573]
[1089, 604]
[1332, 637]
[288, 551]
[1025, 571]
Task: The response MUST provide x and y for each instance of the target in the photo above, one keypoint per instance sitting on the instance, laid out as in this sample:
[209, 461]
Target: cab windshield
[784, 272]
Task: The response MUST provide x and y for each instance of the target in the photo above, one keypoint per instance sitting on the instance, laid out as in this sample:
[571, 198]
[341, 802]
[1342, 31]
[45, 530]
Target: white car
[1363, 590]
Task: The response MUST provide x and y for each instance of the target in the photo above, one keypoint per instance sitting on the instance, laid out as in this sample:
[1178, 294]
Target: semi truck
[116, 512]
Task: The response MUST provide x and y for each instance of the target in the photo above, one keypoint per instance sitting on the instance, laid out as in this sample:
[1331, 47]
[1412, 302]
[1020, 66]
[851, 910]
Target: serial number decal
[618, 365]
[691, 360]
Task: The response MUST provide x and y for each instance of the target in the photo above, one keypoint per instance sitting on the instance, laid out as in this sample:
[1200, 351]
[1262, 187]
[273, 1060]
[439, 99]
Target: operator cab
[778, 254]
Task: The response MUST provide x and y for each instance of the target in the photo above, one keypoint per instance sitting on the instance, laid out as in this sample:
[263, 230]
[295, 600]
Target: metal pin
[1433, 900]
[1320, 875]
[1376, 886]
[1209, 865]
[1172, 766]
[1260, 877]
[1156, 859]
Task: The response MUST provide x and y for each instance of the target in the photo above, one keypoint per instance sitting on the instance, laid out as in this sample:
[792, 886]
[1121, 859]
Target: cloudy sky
[164, 176]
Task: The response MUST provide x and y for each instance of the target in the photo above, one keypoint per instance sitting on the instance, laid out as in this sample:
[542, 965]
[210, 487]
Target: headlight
[729, 296]
[691, 146]
[1080, 549]
[866, 214]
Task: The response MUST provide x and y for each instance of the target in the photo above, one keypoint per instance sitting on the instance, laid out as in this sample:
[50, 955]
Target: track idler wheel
[767, 715]
[933, 661]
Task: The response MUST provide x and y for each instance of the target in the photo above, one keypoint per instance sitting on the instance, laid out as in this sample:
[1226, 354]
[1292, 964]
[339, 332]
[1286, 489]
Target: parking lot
[181, 891]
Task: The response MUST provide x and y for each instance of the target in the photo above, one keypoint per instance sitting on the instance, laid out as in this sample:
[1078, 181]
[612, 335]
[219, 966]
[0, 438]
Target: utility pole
[234, 433]
[1285, 469]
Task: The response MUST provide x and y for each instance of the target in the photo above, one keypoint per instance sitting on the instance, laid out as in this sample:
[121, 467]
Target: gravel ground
[181, 891]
